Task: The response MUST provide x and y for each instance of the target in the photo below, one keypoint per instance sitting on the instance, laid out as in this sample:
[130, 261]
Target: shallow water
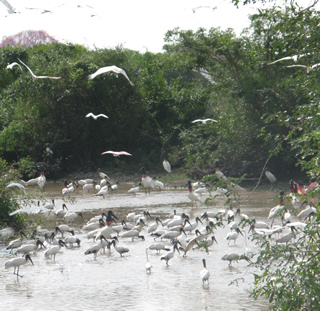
[78, 282]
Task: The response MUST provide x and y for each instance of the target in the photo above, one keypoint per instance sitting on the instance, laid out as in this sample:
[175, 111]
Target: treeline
[265, 112]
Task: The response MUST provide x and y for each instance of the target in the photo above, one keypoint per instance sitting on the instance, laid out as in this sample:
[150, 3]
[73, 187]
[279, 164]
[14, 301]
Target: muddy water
[78, 282]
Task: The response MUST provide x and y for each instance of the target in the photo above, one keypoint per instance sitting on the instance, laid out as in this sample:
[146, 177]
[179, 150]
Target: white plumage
[204, 273]
[17, 262]
[204, 121]
[107, 69]
[90, 114]
[38, 77]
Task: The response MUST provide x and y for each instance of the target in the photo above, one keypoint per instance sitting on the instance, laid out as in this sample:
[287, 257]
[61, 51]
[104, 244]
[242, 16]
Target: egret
[90, 114]
[147, 181]
[53, 250]
[158, 184]
[148, 264]
[38, 77]
[116, 153]
[17, 262]
[204, 273]
[107, 69]
[204, 121]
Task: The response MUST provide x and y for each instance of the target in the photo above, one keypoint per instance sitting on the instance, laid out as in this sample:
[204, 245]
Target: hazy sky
[136, 24]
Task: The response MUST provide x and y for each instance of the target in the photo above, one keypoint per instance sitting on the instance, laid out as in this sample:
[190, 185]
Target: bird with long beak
[17, 262]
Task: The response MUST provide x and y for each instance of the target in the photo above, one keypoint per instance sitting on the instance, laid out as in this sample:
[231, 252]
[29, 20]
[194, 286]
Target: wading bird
[166, 165]
[90, 114]
[38, 77]
[204, 273]
[108, 69]
[53, 250]
[235, 257]
[15, 184]
[17, 262]
[270, 176]
[148, 264]
[169, 255]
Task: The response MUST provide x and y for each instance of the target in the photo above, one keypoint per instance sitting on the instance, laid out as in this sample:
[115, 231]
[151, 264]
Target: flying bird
[38, 77]
[308, 68]
[10, 66]
[204, 121]
[294, 58]
[117, 153]
[9, 6]
[90, 114]
[114, 69]
[15, 184]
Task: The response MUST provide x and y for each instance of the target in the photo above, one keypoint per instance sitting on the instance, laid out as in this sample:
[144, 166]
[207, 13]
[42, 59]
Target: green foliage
[289, 273]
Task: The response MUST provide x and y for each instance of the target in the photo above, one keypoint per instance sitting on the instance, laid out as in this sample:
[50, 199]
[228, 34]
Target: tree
[27, 39]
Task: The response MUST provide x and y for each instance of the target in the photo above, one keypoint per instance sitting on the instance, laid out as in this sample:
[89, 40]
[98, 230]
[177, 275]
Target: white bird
[10, 9]
[204, 273]
[120, 249]
[103, 191]
[204, 121]
[166, 165]
[235, 257]
[134, 190]
[28, 248]
[71, 240]
[42, 181]
[158, 247]
[10, 66]
[308, 68]
[294, 58]
[194, 197]
[53, 250]
[116, 153]
[169, 255]
[270, 176]
[15, 184]
[95, 248]
[61, 212]
[158, 184]
[307, 211]
[288, 237]
[38, 77]
[17, 242]
[17, 262]
[90, 114]
[114, 69]
[103, 175]
[233, 235]
[148, 264]
[154, 226]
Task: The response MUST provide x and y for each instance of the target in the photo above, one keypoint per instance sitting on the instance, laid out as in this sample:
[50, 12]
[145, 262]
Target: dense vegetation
[265, 112]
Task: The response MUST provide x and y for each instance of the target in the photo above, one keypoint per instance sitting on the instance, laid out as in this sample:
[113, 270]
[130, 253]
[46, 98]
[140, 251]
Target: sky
[139, 25]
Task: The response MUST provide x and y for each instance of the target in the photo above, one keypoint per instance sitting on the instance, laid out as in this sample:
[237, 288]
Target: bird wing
[100, 71]
[37, 77]
[109, 151]
[198, 120]
[102, 115]
[90, 114]
[297, 66]
[14, 184]
[124, 153]
[121, 71]
[212, 120]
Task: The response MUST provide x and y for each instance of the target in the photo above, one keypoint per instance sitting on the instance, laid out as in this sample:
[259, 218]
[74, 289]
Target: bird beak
[29, 258]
